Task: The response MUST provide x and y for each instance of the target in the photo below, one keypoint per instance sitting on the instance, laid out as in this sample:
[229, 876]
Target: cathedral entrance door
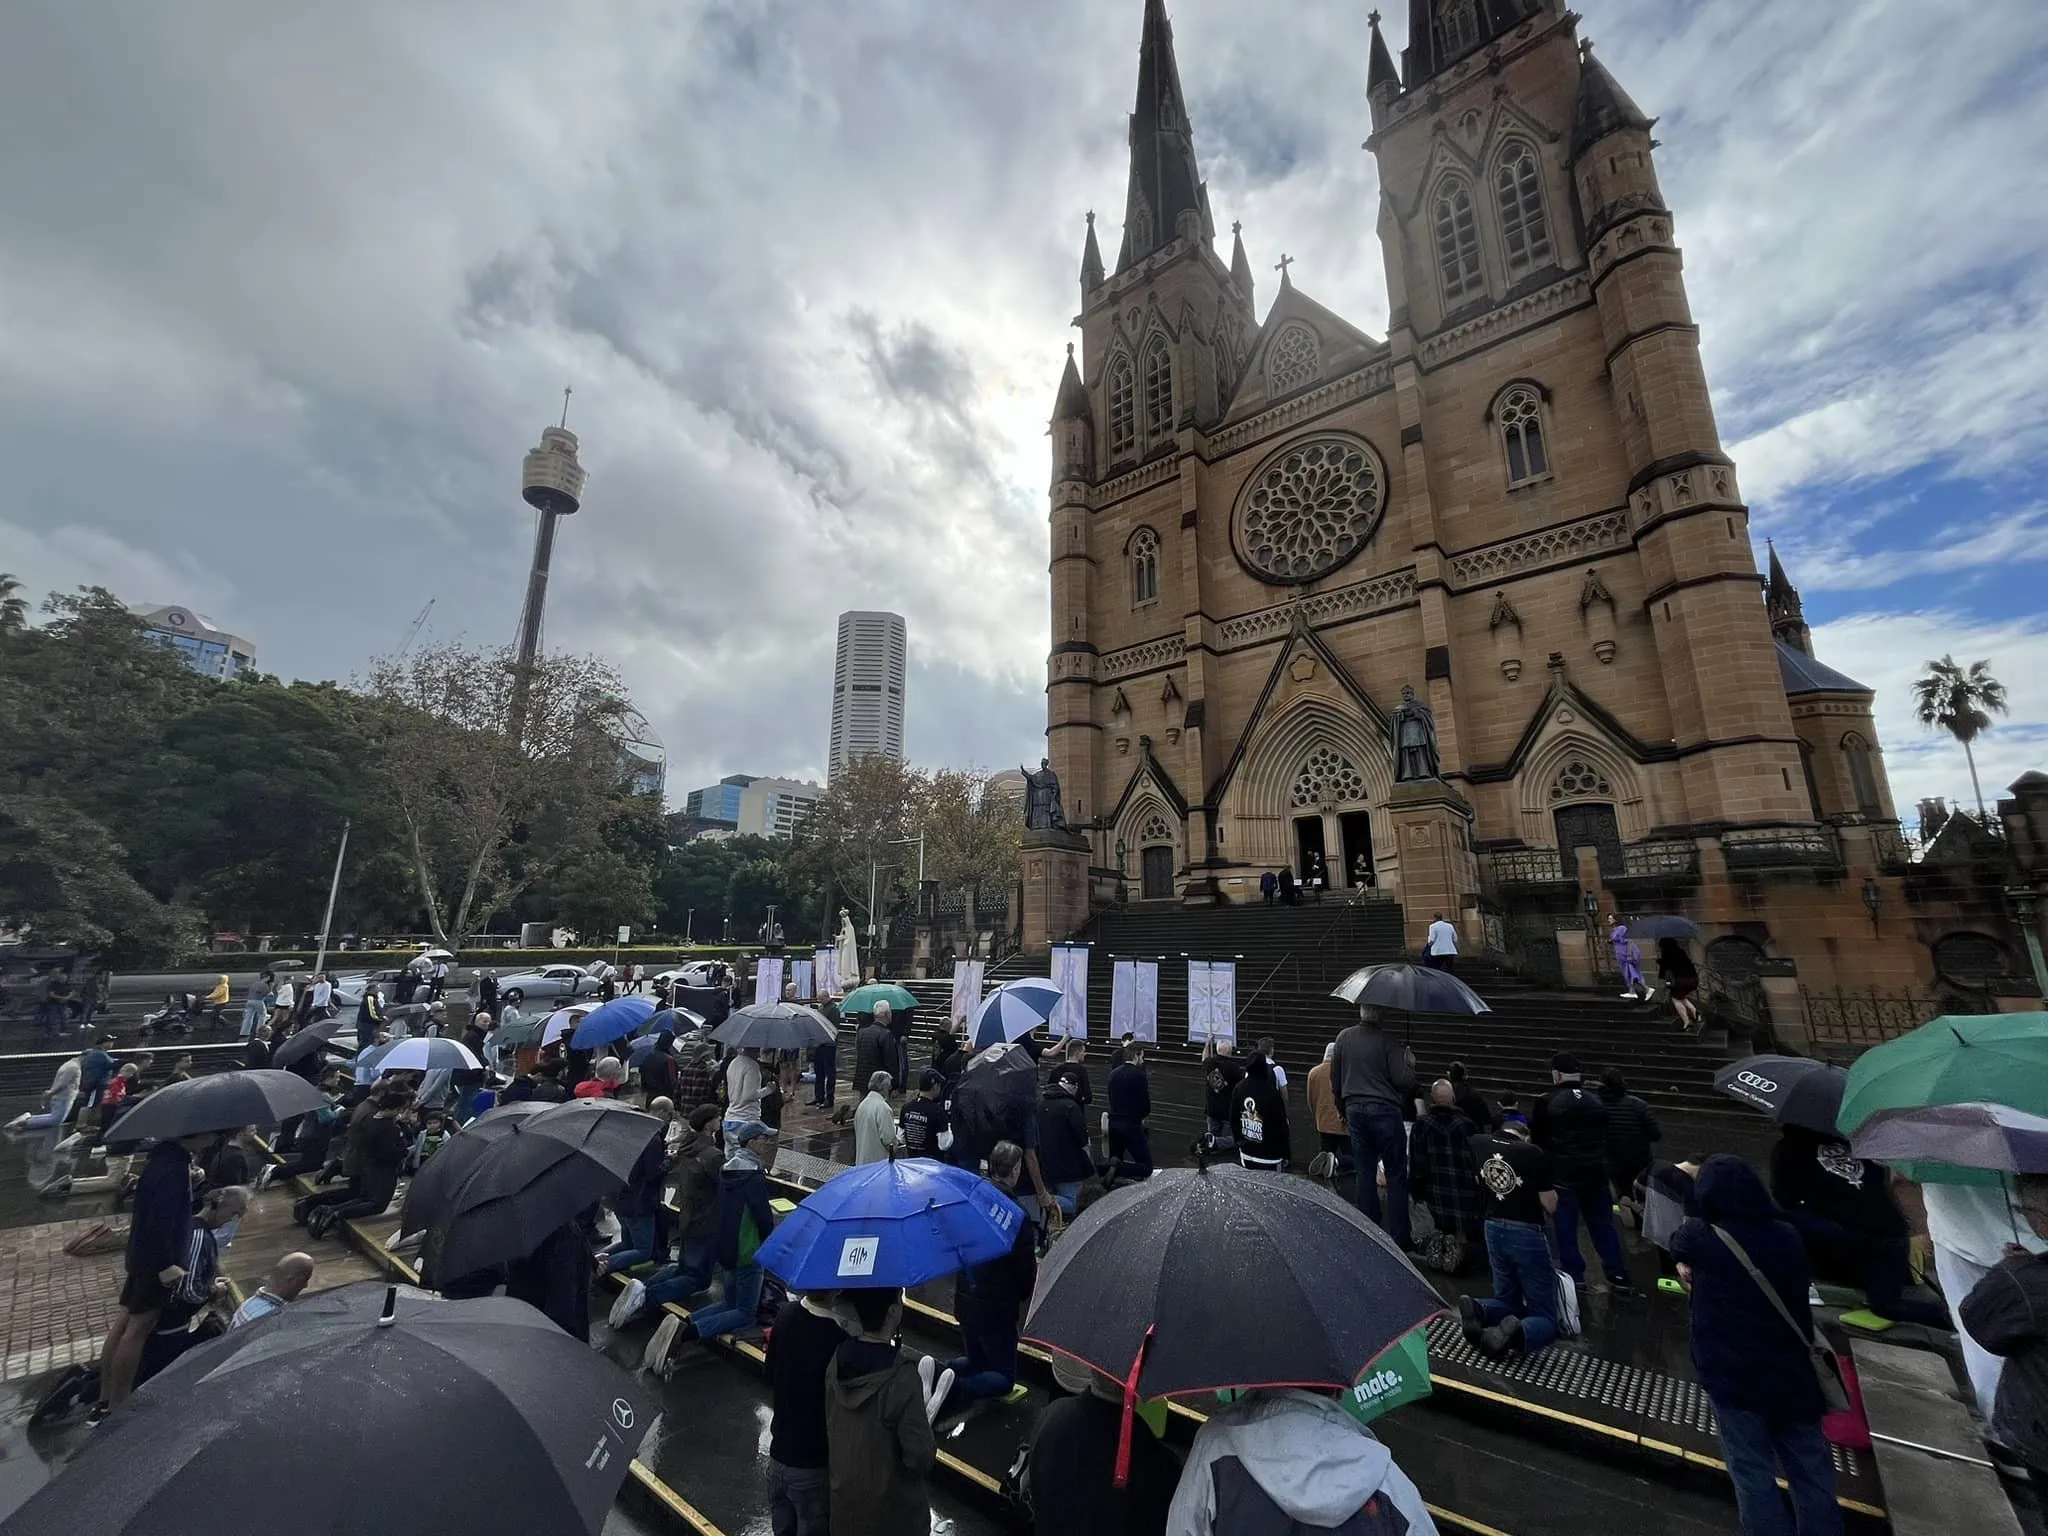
[1308, 839]
[1354, 829]
[1590, 826]
[1156, 874]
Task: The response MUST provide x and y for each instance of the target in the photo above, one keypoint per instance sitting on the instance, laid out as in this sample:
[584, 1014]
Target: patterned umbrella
[1015, 1009]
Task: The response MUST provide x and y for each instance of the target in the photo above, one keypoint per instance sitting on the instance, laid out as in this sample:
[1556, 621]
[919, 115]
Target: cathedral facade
[1516, 504]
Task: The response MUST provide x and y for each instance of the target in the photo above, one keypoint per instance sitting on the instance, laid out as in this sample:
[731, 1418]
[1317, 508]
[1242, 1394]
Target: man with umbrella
[1374, 1076]
[159, 1231]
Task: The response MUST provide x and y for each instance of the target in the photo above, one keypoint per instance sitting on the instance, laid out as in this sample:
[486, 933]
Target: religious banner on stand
[1134, 1001]
[967, 976]
[1070, 975]
[804, 974]
[1212, 1001]
[768, 979]
[827, 958]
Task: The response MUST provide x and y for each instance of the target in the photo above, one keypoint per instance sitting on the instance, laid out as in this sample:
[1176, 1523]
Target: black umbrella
[1661, 925]
[305, 1042]
[1793, 1090]
[774, 1027]
[1411, 989]
[550, 1168]
[713, 1002]
[1225, 1277]
[447, 1417]
[224, 1101]
[426, 1198]
[996, 1096]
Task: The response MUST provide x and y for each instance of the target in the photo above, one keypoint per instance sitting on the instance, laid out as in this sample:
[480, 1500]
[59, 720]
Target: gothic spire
[1381, 70]
[1240, 264]
[1091, 261]
[1073, 398]
[1166, 186]
[1781, 603]
[1603, 105]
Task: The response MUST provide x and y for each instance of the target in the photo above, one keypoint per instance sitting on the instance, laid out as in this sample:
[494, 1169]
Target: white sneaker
[1630, 996]
[632, 1300]
[658, 1347]
[264, 1175]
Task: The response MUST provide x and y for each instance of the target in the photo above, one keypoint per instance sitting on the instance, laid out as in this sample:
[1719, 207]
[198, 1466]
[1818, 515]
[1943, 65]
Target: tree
[13, 606]
[600, 892]
[854, 834]
[971, 837]
[486, 816]
[62, 880]
[1961, 703]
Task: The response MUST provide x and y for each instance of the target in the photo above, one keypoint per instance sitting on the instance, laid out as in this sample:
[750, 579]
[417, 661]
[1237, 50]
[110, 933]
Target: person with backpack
[878, 1424]
[1292, 1462]
[1259, 1115]
[1753, 1345]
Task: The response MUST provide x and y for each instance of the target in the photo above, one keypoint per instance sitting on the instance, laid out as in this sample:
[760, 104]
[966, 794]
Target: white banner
[1134, 1001]
[768, 979]
[1070, 975]
[967, 976]
[1212, 1000]
[804, 974]
[827, 958]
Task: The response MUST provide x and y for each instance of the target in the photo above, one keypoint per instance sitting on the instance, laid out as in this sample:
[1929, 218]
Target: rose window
[1310, 509]
[1578, 780]
[1327, 778]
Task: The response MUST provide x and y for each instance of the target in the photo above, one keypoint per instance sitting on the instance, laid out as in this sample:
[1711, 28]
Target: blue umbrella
[896, 1223]
[1014, 1009]
[673, 1021]
[614, 1021]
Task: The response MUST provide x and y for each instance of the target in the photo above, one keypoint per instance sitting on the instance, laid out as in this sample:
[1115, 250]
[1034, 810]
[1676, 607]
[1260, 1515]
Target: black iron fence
[1856, 1019]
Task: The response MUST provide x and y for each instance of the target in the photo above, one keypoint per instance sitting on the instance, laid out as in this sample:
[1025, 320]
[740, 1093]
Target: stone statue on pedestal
[1414, 733]
[849, 953]
[1042, 798]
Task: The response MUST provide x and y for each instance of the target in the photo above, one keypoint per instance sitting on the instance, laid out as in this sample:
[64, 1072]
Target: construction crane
[419, 623]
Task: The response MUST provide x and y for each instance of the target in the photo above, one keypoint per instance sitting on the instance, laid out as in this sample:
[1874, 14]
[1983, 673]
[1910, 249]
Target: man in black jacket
[1130, 1102]
[1632, 1130]
[1570, 1123]
[874, 1050]
[1064, 1161]
[800, 1350]
[159, 1231]
[1373, 1076]
[989, 1300]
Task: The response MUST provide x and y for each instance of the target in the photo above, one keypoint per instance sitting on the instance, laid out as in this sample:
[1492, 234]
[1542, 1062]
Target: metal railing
[1781, 848]
[1526, 866]
[1857, 1020]
[1670, 858]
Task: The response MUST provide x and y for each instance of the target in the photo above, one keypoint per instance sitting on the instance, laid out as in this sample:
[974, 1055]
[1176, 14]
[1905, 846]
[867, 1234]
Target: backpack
[1243, 1508]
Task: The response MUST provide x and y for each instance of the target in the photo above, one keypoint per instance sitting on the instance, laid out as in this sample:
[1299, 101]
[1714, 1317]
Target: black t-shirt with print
[1512, 1174]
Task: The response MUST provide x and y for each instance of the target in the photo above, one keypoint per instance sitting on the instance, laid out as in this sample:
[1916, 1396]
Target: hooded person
[1259, 1115]
[1751, 1347]
[1291, 1460]
[878, 1430]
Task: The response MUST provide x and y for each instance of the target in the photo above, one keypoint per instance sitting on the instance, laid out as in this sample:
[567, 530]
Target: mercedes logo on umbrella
[622, 1413]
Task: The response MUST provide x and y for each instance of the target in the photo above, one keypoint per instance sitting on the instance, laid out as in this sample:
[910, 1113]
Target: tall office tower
[867, 688]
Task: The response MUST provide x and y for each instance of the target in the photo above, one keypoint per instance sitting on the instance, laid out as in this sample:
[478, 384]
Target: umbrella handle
[1123, 1435]
[390, 1314]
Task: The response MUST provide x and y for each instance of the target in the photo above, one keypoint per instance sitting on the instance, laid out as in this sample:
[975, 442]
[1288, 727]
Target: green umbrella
[863, 999]
[1973, 1058]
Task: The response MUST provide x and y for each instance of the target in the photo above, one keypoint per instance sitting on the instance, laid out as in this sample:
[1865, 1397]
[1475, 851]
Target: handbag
[1567, 1305]
[1827, 1372]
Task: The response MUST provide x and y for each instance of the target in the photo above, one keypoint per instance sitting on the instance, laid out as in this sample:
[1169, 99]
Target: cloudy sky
[286, 292]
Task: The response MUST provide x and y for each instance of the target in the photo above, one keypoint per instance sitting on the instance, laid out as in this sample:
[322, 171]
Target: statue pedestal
[1055, 885]
[1439, 871]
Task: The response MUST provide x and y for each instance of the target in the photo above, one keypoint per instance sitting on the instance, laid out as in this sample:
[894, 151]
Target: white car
[550, 983]
[698, 973]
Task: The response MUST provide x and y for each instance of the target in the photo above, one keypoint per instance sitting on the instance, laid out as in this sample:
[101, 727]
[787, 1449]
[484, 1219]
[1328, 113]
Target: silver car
[549, 983]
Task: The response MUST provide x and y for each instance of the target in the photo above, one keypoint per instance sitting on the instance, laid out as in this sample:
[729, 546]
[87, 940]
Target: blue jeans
[1378, 1137]
[1524, 1281]
[1067, 1196]
[696, 1258]
[737, 1309]
[799, 1500]
[635, 1245]
[989, 1368]
[58, 1112]
[1756, 1448]
[1595, 1202]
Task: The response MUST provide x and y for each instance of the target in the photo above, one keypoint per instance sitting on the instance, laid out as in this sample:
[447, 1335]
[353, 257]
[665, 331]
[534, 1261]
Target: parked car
[348, 989]
[698, 973]
[549, 983]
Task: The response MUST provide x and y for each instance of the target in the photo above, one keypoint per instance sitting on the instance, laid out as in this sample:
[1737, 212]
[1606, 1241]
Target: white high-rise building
[867, 688]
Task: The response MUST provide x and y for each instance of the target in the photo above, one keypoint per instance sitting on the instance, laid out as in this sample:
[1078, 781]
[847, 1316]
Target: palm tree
[13, 606]
[1961, 703]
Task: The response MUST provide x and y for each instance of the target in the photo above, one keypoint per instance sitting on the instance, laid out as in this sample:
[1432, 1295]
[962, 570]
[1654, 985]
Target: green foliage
[740, 878]
[601, 892]
[62, 879]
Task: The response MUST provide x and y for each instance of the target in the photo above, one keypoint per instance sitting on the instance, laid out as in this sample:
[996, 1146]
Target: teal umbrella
[863, 999]
[1970, 1058]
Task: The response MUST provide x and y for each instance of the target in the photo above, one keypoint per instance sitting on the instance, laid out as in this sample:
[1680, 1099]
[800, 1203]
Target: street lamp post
[2025, 911]
[690, 928]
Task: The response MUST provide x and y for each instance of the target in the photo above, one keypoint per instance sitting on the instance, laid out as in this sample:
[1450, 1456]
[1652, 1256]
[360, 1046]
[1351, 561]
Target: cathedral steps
[1288, 959]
